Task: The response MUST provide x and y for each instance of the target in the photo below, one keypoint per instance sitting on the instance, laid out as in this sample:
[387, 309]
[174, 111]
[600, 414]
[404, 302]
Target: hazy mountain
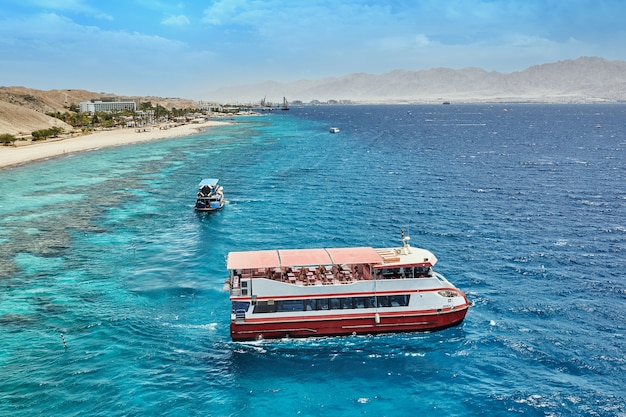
[582, 80]
[586, 79]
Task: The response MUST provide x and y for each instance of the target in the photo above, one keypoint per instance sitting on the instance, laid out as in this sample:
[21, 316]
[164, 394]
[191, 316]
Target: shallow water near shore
[111, 300]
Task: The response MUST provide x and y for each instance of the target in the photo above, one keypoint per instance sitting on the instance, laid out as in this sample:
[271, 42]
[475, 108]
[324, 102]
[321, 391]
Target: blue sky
[188, 48]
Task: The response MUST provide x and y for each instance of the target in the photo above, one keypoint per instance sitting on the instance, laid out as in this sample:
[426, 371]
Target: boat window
[345, 302]
[240, 306]
[392, 273]
[422, 271]
[290, 305]
[383, 301]
[399, 300]
[271, 306]
[264, 307]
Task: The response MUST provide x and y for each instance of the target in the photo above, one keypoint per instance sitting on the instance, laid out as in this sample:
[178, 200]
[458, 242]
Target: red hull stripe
[325, 326]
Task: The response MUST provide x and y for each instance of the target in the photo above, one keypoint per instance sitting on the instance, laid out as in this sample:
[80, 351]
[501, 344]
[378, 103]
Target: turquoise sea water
[111, 300]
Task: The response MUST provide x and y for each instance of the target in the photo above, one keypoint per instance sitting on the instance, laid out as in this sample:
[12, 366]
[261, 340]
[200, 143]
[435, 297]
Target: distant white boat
[334, 130]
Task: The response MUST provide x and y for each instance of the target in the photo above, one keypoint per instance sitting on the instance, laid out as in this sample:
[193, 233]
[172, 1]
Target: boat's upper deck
[326, 266]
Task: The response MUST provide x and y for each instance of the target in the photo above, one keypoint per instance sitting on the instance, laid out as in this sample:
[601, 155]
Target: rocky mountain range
[583, 80]
[586, 79]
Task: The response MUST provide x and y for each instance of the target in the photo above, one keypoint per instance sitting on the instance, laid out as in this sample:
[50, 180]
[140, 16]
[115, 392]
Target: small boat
[334, 130]
[339, 291]
[210, 195]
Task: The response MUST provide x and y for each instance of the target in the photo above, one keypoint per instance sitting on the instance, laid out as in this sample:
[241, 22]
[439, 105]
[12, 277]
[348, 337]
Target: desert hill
[59, 100]
[44, 101]
[23, 110]
[21, 121]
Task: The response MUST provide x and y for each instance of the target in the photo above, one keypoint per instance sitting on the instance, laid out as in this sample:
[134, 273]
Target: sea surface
[111, 286]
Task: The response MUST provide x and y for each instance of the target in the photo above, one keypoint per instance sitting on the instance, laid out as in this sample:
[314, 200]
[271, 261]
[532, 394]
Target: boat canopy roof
[302, 257]
[208, 181]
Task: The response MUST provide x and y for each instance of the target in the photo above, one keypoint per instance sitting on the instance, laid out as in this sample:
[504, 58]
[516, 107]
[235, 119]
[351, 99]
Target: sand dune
[18, 120]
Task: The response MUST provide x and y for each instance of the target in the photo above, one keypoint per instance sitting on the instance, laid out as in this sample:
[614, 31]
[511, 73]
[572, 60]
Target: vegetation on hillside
[44, 134]
[146, 114]
[22, 125]
[6, 138]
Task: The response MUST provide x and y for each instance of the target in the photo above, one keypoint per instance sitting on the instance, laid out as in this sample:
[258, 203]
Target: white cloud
[180, 20]
[60, 53]
[223, 11]
[396, 44]
[75, 6]
[421, 40]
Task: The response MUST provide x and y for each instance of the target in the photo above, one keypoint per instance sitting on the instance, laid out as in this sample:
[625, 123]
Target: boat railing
[240, 315]
[443, 280]
[337, 275]
[235, 287]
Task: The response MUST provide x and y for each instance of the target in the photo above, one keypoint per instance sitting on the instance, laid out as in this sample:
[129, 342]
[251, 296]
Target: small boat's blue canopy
[211, 182]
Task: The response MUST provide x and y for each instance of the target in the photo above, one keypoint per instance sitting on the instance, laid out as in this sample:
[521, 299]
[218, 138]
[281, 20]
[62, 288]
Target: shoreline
[19, 155]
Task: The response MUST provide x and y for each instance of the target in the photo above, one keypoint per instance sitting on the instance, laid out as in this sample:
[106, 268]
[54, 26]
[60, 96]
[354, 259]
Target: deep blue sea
[111, 298]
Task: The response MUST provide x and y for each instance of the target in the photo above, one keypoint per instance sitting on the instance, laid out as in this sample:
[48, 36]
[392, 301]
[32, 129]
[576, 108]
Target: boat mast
[405, 243]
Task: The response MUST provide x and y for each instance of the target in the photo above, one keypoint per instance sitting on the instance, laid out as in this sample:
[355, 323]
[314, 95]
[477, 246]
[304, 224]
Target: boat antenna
[405, 242]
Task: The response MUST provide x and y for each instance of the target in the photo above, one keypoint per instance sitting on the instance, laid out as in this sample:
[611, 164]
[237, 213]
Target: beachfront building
[106, 106]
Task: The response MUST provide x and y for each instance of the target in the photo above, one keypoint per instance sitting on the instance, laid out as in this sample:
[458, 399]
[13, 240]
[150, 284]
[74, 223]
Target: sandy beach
[16, 155]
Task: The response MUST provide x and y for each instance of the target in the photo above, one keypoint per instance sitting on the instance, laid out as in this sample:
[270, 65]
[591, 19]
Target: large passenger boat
[339, 291]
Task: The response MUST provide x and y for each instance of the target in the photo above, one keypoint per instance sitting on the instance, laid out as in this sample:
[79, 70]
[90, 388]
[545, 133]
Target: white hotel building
[107, 106]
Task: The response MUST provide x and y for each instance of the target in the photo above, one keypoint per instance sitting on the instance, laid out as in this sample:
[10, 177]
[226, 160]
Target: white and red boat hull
[344, 325]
